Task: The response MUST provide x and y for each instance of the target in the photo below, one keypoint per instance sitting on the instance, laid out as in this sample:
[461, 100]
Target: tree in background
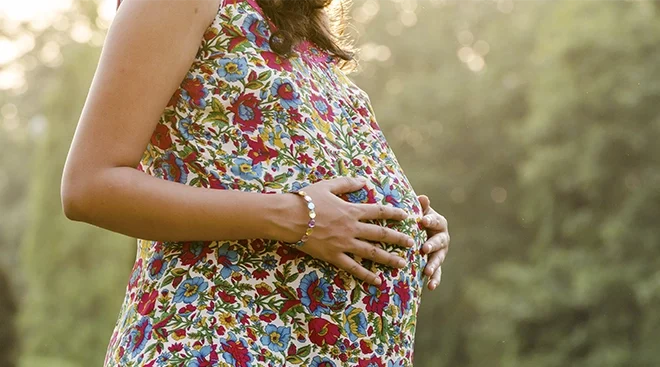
[587, 292]
[74, 274]
[9, 345]
[533, 127]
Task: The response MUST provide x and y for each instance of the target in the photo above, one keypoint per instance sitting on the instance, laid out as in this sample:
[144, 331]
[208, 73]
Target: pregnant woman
[275, 226]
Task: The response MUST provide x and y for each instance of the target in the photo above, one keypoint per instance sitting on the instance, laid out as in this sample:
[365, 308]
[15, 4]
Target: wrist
[286, 217]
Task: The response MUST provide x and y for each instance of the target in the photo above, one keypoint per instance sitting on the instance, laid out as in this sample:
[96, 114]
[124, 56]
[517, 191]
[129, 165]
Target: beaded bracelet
[312, 215]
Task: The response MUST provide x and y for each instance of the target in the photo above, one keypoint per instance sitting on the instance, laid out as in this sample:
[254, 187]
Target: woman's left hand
[437, 243]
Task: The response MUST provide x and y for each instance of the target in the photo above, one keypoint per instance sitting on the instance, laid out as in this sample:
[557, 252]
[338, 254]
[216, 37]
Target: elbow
[73, 198]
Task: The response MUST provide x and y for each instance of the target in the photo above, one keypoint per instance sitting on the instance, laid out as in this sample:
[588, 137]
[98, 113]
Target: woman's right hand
[339, 230]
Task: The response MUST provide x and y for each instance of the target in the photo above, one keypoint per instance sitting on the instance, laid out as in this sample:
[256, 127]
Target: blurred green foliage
[532, 126]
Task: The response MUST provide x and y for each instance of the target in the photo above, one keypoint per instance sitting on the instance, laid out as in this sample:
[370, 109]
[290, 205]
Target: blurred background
[534, 127]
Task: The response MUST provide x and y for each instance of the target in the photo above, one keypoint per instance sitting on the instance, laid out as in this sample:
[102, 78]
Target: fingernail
[378, 281]
[411, 242]
[428, 248]
[434, 284]
[401, 263]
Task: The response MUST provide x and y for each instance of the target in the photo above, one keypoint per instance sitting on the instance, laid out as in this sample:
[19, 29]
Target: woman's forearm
[128, 201]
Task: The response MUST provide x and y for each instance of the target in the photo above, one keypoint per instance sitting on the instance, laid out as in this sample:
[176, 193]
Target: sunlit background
[534, 127]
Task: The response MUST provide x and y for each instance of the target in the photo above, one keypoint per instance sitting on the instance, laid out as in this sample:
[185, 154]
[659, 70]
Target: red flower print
[257, 245]
[322, 331]
[238, 351]
[215, 182]
[402, 289]
[161, 137]
[294, 115]
[267, 317]
[276, 62]
[263, 289]
[173, 168]
[297, 138]
[225, 297]
[176, 347]
[323, 108]
[377, 297]
[193, 252]
[251, 334]
[288, 253]
[285, 91]
[260, 274]
[175, 98]
[179, 333]
[365, 347]
[147, 302]
[210, 34]
[305, 159]
[374, 361]
[246, 112]
[194, 87]
[258, 151]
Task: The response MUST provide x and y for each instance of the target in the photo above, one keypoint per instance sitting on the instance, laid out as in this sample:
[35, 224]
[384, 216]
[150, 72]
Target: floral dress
[244, 118]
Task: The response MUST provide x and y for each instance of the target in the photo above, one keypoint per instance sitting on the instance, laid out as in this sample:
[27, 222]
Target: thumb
[425, 201]
[346, 184]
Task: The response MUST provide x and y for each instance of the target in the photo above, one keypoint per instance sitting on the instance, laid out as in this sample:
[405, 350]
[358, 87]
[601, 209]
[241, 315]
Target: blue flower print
[298, 186]
[171, 168]
[189, 290]
[156, 266]
[341, 296]
[355, 323]
[276, 338]
[269, 262]
[200, 356]
[232, 69]
[359, 196]
[322, 362]
[163, 359]
[236, 347]
[315, 294]
[136, 339]
[228, 260]
[285, 91]
[186, 128]
[398, 363]
[256, 30]
[246, 170]
[391, 195]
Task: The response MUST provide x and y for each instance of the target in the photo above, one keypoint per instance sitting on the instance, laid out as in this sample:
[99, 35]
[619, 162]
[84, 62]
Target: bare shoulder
[148, 50]
[203, 11]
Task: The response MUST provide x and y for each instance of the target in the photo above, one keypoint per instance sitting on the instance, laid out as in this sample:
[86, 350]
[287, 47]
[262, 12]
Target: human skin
[101, 186]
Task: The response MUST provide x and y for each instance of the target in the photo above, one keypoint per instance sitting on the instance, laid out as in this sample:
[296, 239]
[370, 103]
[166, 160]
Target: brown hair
[322, 22]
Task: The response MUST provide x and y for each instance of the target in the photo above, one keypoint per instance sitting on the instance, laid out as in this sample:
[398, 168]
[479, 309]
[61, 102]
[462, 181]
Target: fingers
[377, 254]
[436, 242]
[374, 232]
[379, 211]
[435, 279]
[435, 221]
[435, 261]
[352, 267]
[426, 203]
[345, 184]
